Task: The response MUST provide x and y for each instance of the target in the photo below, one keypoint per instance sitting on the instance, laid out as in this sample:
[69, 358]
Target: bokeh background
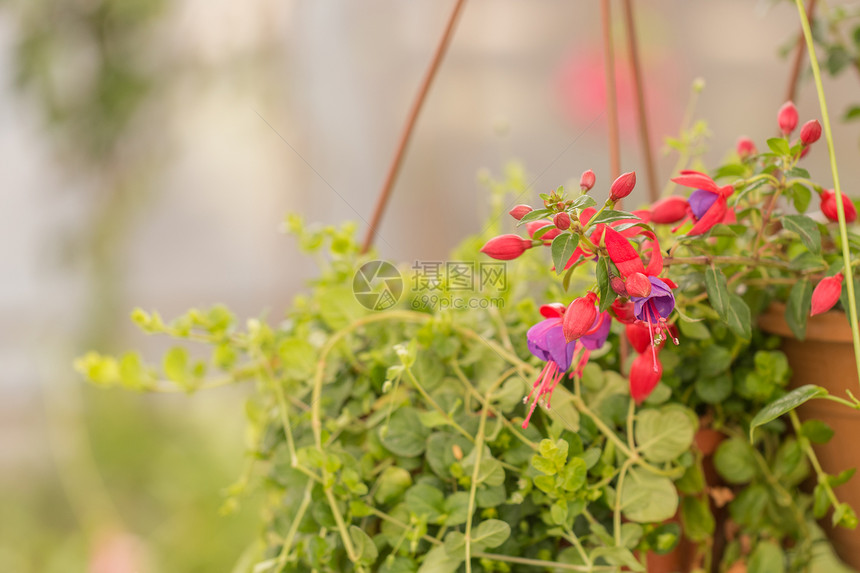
[151, 148]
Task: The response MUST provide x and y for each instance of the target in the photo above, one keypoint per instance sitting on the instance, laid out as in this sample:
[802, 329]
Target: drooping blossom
[653, 310]
[644, 377]
[826, 294]
[546, 341]
[506, 247]
[708, 203]
[828, 206]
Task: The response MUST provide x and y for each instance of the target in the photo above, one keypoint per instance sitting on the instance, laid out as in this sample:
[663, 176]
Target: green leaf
[714, 390]
[663, 435]
[735, 461]
[648, 498]
[817, 431]
[534, 216]
[822, 501]
[618, 556]
[391, 484]
[457, 508]
[562, 249]
[844, 516]
[739, 320]
[574, 474]
[767, 557]
[801, 196]
[491, 533]
[697, 519]
[786, 404]
[806, 229]
[779, 146]
[364, 546]
[798, 307]
[425, 501]
[176, 365]
[405, 435]
[298, 358]
[604, 290]
[438, 560]
[583, 202]
[610, 216]
[851, 113]
[718, 292]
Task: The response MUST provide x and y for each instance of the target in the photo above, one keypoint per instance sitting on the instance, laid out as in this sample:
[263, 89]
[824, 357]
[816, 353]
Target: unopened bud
[622, 186]
[787, 117]
[586, 182]
[669, 210]
[745, 147]
[617, 285]
[534, 226]
[562, 221]
[826, 294]
[506, 247]
[638, 285]
[579, 317]
[810, 132]
[828, 206]
[520, 211]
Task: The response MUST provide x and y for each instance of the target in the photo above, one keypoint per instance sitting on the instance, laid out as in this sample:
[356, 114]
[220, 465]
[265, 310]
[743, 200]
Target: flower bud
[638, 285]
[562, 221]
[669, 210]
[506, 247]
[645, 373]
[828, 206]
[579, 317]
[622, 186]
[617, 285]
[826, 294]
[533, 227]
[586, 182]
[810, 132]
[787, 117]
[520, 211]
[745, 147]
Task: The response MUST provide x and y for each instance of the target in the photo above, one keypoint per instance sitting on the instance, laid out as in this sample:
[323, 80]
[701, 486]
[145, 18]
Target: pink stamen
[545, 384]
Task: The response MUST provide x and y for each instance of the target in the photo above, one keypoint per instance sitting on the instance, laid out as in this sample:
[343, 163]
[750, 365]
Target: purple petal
[558, 348]
[664, 305]
[537, 337]
[700, 201]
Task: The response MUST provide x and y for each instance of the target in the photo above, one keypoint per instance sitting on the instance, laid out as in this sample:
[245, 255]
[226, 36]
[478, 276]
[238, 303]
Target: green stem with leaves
[840, 208]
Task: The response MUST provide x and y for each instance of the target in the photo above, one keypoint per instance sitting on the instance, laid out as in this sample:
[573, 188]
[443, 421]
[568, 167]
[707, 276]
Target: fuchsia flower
[669, 210]
[644, 378]
[828, 206]
[708, 203]
[546, 340]
[506, 247]
[826, 294]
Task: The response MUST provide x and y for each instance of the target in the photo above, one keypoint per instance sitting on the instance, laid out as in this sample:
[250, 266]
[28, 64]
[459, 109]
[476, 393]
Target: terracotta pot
[826, 358]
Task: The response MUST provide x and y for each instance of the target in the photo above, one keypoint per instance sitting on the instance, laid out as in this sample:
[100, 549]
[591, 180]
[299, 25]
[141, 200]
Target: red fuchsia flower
[623, 186]
[828, 206]
[506, 247]
[669, 210]
[787, 117]
[520, 211]
[745, 147]
[644, 377]
[579, 316]
[546, 341]
[826, 294]
[810, 132]
[561, 221]
[653, 310]
[708, 203]
[533, 227]
[623, 311]
[586, 182]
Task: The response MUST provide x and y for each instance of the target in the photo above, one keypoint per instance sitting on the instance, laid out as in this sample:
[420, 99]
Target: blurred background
[150, 150]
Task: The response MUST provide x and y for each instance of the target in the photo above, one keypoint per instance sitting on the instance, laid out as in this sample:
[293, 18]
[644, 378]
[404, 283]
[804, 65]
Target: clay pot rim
[831, 326]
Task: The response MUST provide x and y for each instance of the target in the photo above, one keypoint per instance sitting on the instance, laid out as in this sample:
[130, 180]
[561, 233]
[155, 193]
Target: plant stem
[642, 115]
[294, 526]
[406, 134]
[813, 459]
[611, 96]
[473, 487]
[436, 405]
[840, 208]
[616, 513]
[796, 64]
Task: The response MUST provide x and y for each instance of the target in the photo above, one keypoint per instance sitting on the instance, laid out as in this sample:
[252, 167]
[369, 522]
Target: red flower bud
[534, 226]
[826, 294]
[562, 221]
[586, 182]
[622, 186]
[745, 147]
[520, 211]
[828, 206]
[810, 132]
[787, 117]
[669, 210]
[638, 285]
[638, 336]
[579, 317]
[645, 373]
[617, 285]
[506, 247]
